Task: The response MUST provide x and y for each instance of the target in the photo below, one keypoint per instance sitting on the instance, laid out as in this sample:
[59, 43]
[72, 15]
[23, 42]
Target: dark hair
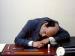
[51, 23]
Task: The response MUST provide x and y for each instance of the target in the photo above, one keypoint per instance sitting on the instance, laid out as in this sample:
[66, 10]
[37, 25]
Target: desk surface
[15, 50]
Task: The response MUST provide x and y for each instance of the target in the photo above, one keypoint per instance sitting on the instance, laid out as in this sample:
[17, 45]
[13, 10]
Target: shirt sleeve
[52, 40]
[30, 43]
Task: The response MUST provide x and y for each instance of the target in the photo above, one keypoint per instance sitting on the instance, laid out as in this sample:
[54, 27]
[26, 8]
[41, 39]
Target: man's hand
[38, 44]
[45, 41]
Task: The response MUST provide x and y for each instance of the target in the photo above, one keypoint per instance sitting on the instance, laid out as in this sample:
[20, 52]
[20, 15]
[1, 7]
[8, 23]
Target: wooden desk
[14, 50]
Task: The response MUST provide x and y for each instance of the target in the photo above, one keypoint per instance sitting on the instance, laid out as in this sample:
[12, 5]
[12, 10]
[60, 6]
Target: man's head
[49, 28]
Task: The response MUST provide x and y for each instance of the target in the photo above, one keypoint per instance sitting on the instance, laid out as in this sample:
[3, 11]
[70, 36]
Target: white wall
[15, 13]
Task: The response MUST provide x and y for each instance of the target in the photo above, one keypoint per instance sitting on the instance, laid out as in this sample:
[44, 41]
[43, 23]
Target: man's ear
[46, 24]
[57, 26]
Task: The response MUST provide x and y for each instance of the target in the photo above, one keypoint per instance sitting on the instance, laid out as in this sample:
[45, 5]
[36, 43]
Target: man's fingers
[40, 45]
[45, 41]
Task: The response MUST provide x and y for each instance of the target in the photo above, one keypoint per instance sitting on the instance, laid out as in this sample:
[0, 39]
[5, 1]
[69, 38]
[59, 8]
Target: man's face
[49, 31]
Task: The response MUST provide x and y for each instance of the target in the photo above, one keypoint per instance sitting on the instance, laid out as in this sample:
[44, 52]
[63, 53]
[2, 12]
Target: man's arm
[62, 36]
[22, 37]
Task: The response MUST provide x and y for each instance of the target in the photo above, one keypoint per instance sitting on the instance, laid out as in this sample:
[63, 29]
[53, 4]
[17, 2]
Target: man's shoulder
[42, 18]
[33, 22]
[39, 19]
[36, 21]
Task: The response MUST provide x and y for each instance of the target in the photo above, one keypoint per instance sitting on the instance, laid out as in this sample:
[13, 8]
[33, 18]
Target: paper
[2, 47]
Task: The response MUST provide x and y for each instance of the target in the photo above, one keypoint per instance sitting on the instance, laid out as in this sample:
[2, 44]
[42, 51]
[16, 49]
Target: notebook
[2, 47]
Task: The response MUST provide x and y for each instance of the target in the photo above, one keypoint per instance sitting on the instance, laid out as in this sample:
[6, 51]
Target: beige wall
[15, 13]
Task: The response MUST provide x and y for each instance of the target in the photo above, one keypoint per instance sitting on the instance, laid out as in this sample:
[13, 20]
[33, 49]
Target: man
[41, 31]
